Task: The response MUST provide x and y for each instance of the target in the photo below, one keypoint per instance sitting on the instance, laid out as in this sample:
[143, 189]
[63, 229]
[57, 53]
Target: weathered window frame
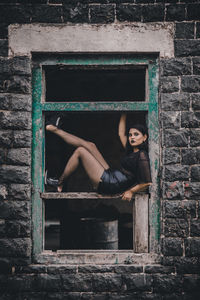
[38, 151]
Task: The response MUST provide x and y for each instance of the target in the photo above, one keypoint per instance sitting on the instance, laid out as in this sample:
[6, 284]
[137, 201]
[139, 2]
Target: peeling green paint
[38, 145]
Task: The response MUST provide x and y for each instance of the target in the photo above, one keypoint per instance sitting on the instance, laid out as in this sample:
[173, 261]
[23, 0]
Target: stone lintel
[91, 38]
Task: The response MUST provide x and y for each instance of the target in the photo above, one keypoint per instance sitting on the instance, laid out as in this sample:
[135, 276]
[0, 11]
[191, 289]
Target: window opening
[55, 84]
[95, 84]
[86, 224]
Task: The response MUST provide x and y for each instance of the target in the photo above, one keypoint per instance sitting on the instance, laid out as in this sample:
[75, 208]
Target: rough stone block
[6, 137]
[3, 47]
[79, 283]
[184, 30]
[190, 119]
[3, 153]
[15, 84]
[123, 269]
[192, 190]
[15, 13]
[95, 269]
[129, 12]
[47, 282]
[176, 172]
[104, 13]
[3, 31]
[172, 246]
[15, 102]
[195, 99]
[193, 11]
[22, 138]
[173, 190]
[51, 269]
[187, 47]
[175, 102]
[176, 227]
[18, 65]
[192, 247]
[71, 296]
[153, 13]
[14, 174]
[47, 14]
[5, 266]
[195, 227]
[196, 65]
[2, 230]
[140, 1]
[175, 138]
[190, 84]
[15, 120]
[159, 269]
[20, 247]
[171, 119]
[195, 173]
[137, 282]
[198, 30]
[19, 192]
[171, 156]
[194, 137]
[17, 228]
[190, 156]
[187, 265]
[169, 84]
[76, 12]
[176, 66]
[18, 210]
[167, 284]
[31, 269]
[19, 156]
[191, 286]
[175, 12]
[3, 192]
[179, 209]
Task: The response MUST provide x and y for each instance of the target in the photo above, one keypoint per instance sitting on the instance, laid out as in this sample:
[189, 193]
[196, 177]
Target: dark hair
[143, 130]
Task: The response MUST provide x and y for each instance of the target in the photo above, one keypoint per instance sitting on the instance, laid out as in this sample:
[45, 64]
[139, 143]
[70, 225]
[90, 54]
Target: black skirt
[114, 182]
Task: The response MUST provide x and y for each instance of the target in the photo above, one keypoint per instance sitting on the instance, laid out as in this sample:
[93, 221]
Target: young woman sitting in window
[133, 176]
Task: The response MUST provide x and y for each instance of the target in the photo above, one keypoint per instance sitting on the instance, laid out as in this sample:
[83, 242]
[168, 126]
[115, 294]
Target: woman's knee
[92, 146]
[80, 150]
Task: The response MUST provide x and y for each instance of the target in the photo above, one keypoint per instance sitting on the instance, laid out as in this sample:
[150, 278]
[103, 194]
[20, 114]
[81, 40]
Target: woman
[134, 175]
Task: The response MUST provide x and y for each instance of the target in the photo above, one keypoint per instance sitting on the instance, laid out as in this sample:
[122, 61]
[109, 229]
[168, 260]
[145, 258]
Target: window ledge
[96, 257]
[81, 195]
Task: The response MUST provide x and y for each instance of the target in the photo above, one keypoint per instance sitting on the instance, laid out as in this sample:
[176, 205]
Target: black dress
[135, 169]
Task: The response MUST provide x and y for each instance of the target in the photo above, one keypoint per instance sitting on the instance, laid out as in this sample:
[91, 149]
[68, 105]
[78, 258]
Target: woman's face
[136, 137]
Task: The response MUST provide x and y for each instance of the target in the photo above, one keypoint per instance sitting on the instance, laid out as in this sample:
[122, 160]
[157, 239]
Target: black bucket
[98, 233]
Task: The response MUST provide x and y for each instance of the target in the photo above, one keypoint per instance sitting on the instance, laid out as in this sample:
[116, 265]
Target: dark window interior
[94, 84]
[70, 224]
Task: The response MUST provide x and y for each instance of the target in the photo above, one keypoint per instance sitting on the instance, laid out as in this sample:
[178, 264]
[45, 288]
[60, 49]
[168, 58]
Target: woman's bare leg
[79, 142]
[93, 168]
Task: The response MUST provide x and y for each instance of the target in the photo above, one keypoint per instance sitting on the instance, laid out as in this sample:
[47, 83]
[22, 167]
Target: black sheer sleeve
[143, 169]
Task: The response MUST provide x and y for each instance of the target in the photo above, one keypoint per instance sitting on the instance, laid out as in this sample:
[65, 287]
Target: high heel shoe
[52, 182]
[55, 120]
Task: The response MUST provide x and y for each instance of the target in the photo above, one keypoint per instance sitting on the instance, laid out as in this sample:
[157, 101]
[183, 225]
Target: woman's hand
[127, 195]
[122, 129]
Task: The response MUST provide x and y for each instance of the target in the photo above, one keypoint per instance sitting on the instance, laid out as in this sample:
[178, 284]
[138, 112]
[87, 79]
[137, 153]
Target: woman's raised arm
[122, 129]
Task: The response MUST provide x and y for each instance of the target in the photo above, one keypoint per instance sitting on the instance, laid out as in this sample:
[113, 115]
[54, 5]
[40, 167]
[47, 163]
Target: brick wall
[178, 276]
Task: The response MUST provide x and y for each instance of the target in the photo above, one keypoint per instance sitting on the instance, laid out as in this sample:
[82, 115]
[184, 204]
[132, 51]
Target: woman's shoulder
[143, 154]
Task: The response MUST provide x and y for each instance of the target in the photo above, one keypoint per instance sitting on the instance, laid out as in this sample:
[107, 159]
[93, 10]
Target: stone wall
[178, 276]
